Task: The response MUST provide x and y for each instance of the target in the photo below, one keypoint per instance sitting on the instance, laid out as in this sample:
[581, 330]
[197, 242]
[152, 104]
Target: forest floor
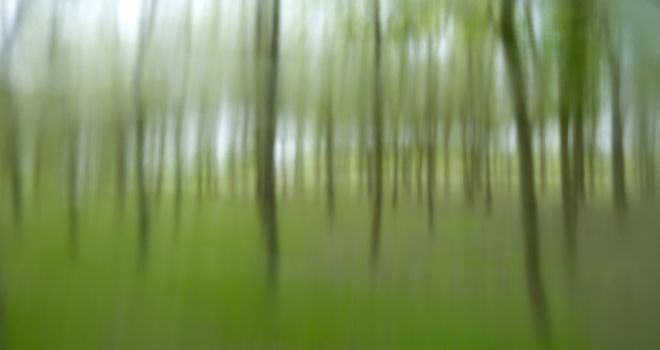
[203, 287]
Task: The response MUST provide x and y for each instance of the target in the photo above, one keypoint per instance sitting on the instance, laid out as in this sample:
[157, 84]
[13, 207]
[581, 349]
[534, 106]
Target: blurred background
[329, 174]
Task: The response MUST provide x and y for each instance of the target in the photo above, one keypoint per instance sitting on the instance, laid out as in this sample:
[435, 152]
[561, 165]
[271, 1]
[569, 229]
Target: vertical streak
[378, 138]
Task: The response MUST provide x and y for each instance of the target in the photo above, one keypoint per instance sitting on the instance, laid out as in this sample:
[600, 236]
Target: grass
[204, 285]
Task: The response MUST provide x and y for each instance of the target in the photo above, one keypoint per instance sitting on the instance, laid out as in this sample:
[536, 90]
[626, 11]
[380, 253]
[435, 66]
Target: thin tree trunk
[200, 161]
[618, 162]
[540, 83]
[396, 149]
[543, 155]
[329, 153]
[378, 139]
[420, 160]
[178, 126]
[120, 166]
[39, 147]
[13, 144]
[488, 164]
[245, 141]
[468, 188]
[299, 165]
[447, 156]
[72, 186]
[431, 138]
[232, 159]
[282, 166]
[592, 149]
[140, 132]
[568, 201]
[160, 172]
[212, 171]
[37, 165]
[578, 155]
[178, 166]
[268, 203]
[406, 166]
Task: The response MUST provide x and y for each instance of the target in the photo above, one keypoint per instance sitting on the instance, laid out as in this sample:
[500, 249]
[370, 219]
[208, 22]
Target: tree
[179, 117]
[526, 170]
[377, 125]
[266, 133]
[13, 148]
[618, 162]
[431, 134]
[146, 28]
[329, 146]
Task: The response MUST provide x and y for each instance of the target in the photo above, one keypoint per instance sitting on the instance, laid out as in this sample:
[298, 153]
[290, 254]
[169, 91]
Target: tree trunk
[618, 162]
[120, 166]
[396, 128]
[300, 152]
[72, 186]
[232, 158]
[578, 155]
[178, 166]
[526, 172]
[447, 156]
[268, 203]
[378, 138]
[160, 171]
[431, 138]
[13, 144]
[329, 152]
[568, 198]
[140, 134]
[488, 164]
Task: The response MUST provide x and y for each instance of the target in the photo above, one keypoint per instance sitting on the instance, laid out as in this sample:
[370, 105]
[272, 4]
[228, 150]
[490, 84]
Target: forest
[329, 174]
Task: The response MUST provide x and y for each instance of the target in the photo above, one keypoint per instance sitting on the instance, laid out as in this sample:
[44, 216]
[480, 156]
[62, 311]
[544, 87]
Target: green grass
[204, 286]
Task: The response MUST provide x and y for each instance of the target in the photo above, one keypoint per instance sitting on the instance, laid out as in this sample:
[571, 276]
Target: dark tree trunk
[178, 167]
[266, 164]
[396, 165]
[578, 155]
[526, 172]
[245, 141]
[232, 158]
[420, 160]
[13, 144]
[40, 147]
[568, 201]
[200, 161]
[488, 165]
[406, 166]
[72, 186]
[160, 171]
[329, 153]
[618, 162]
[143, 204]
[318, 157]
[592, 149]
[178, 127]
[396, 127]
[378, 138]
[283, 171]
[431, 138]
[540, 83]
[37, 165]
[447, 156]
[299, 178]
[140, 135]
[120, 167]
